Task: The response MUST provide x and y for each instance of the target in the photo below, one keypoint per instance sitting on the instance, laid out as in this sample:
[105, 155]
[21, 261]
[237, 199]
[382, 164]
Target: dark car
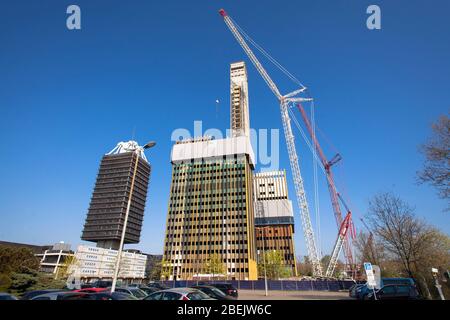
[112, 296]
[157, 285]
[134, 291]
[6, 296]
[213, 292]
[395, 292]
[352, 292]
[226, 288]
[31, 294]
[149, 290]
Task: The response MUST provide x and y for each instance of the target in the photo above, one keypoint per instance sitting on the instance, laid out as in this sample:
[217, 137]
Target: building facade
[210, 212]
[94, 263]
[210, 215]
[274, 219]
[55, 257]
[106, 214]
[239, 106]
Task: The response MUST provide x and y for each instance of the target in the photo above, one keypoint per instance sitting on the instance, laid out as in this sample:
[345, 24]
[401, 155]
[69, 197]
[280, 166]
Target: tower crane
[335, 197]
[286, 102]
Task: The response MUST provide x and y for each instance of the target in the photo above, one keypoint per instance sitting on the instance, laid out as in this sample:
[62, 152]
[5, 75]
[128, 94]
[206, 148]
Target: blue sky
[149, 67]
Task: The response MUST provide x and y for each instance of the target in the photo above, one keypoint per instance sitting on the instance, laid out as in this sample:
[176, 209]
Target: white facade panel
[213, 148]
[93, 262]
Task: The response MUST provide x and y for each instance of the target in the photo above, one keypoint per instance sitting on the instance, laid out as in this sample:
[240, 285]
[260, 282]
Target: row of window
[207, 218]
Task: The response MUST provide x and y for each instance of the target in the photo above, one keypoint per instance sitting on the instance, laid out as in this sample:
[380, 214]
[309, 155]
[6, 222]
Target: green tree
[163, 268]
[214, 265]
[14, 260]
[273, 263]
[70, 263]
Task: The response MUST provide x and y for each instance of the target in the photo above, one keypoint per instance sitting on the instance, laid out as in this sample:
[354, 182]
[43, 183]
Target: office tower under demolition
[106, 214]
[210, 220]
[274, 219]
[239, 107]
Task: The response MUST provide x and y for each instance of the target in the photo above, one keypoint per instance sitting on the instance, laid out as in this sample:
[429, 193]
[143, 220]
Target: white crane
[285, 102]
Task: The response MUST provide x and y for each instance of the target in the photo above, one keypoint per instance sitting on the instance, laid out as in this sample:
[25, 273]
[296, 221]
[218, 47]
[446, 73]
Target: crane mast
[285, 102]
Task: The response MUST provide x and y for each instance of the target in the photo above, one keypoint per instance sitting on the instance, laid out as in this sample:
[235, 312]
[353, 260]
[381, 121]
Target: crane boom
[331, 188]
[250, 54]
[342, 234]
[293, 158]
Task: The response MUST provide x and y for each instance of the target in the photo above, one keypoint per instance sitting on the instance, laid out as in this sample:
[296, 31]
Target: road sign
[371, 282]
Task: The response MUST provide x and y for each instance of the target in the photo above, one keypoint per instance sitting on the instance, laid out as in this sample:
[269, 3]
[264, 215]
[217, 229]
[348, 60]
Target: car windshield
[123, 296]
[218, 292]
[138, 293]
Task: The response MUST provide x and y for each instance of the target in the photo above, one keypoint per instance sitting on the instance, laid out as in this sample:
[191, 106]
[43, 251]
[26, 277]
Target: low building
[93, 263]
[55, 257]
[51, 257]
[274, 218]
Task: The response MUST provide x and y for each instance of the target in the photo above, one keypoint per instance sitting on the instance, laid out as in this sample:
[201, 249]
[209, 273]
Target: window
[388, 290]
[171, 296]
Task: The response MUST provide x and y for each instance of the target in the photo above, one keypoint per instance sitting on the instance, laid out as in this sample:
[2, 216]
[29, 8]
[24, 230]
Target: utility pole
[127, 213]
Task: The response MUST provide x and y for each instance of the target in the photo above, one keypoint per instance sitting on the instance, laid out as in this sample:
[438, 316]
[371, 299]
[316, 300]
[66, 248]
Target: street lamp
[137, 150]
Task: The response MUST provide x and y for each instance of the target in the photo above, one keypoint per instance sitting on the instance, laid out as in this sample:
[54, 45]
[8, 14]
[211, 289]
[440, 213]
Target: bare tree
[407, 239]
[436, 169]
[402, 234]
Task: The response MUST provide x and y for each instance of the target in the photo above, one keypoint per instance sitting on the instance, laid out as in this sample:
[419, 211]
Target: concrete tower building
[239, 107]
[211, 205]
[274, 218]
[106, 214]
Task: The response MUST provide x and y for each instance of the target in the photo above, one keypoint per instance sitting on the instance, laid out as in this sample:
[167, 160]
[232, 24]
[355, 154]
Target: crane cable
[267, 55]
[316, 183]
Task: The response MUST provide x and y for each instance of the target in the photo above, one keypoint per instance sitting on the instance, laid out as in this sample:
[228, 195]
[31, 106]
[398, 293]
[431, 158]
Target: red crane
[335, 197]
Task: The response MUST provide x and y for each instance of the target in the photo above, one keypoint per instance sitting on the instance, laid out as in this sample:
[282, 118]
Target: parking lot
[293, 295]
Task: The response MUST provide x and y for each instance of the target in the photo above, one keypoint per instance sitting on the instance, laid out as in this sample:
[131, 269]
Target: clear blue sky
[67, 97]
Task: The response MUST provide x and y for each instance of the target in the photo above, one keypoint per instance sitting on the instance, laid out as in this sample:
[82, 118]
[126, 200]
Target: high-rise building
[107, 210]
[210, 215]
[239, 120]
[274, 219]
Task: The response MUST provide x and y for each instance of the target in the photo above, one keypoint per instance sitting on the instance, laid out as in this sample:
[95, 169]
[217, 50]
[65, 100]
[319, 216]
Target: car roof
[180, 290]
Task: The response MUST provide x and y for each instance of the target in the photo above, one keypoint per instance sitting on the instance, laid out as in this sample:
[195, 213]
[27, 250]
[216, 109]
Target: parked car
[362, 291]
[405, 281]
[149, 290]
[68, 295]
[91, 290]
[157, 285]
[31, 294]
[395, 292]
[6, 296]
[105, 295]
[352, 292]
[179, 294]
[136, 292]
[226, 288]
[97, 284]
[213, 292]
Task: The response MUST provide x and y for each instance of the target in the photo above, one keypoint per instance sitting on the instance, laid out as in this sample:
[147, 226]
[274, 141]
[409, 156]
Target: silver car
[179, 294]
